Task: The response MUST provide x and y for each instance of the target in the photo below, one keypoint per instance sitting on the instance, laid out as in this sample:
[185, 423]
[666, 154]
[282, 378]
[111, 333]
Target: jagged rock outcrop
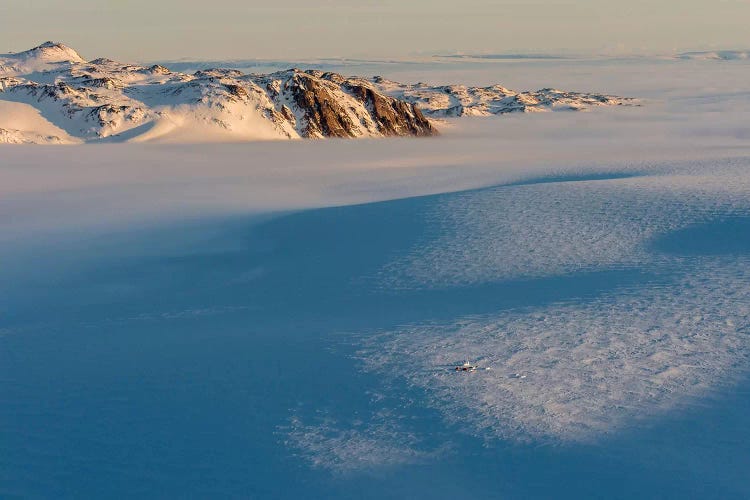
[326, 108]
[324, 114]
[394, 117]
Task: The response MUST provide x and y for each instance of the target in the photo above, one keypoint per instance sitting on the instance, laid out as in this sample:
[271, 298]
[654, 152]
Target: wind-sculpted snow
[575, 371]
[551, 228]
[340, 449]
[580, 368]
[15, 136]
[105, 99]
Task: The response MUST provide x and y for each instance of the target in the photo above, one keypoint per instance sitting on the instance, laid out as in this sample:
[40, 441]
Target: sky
[141, 30]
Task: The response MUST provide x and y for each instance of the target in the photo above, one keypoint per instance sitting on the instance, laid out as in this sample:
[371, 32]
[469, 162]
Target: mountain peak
[52, 52]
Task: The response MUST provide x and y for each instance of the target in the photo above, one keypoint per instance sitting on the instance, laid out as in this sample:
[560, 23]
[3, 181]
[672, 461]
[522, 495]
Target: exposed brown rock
[325, 115]
[394, 117]
[236, 90]
[288, 114]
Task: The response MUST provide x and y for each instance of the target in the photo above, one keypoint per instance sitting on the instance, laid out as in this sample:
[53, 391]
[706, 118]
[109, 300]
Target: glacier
[281, 319]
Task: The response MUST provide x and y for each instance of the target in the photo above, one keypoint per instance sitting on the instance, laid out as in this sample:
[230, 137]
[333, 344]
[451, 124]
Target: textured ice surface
[564, 226]
[586, 367]
[340, 448]
[581, 368]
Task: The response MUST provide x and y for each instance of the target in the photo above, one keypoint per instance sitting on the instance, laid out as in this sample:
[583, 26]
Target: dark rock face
[394, 117]
[324, 114]
[318, 97]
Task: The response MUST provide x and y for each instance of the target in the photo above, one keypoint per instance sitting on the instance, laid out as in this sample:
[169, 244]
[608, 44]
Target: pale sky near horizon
[295, 29]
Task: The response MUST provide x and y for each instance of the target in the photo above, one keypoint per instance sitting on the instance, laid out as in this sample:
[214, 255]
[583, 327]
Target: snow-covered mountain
[460, 100]
[39, 58]
[50, 94]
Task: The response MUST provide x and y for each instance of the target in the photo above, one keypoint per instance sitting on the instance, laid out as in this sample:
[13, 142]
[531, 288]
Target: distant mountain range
[717, 55]
[50, 94]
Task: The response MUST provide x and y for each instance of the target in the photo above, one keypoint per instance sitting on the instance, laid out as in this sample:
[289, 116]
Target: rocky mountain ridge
[105, 100]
